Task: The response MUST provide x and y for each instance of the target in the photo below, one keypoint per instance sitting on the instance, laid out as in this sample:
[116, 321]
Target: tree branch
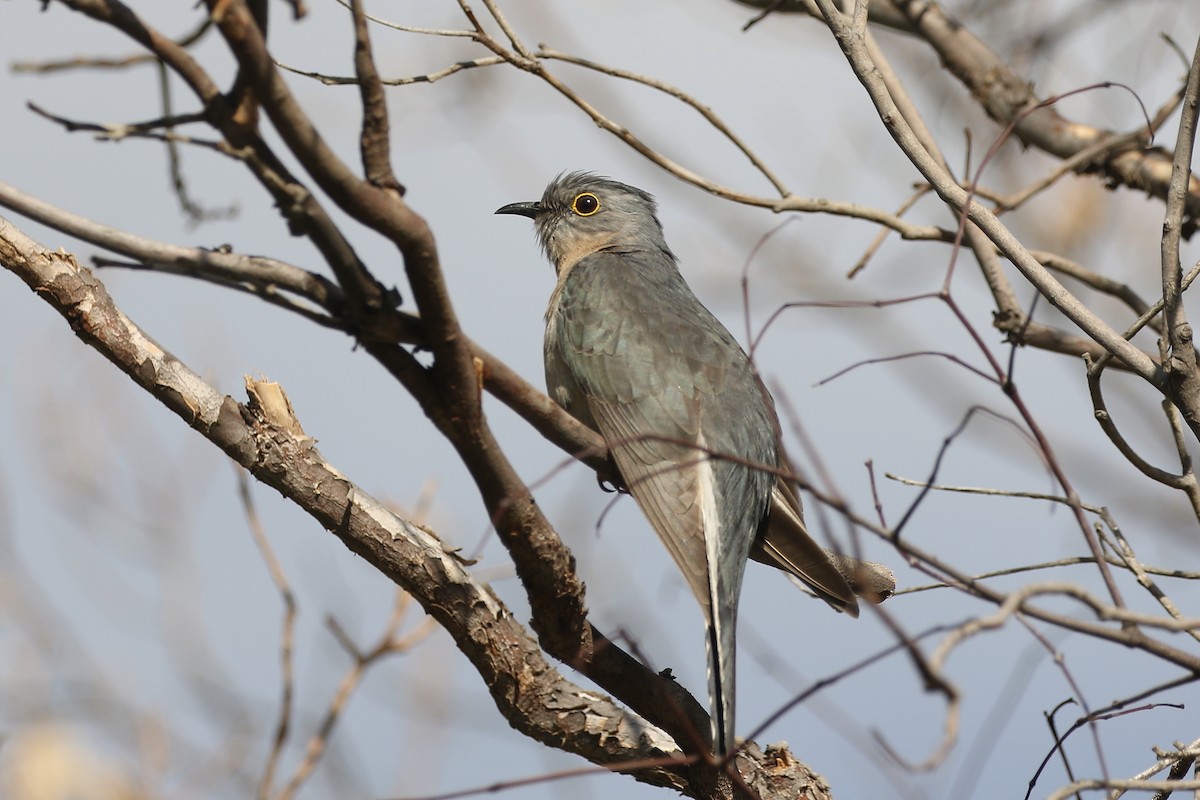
[1180, 362]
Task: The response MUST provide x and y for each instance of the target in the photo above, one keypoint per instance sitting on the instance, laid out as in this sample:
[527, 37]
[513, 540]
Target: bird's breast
[560, 381]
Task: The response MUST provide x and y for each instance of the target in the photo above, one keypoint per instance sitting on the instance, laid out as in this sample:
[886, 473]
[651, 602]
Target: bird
[631, 352]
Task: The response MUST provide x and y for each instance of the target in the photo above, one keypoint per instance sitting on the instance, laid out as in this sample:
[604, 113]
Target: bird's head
[581, 213]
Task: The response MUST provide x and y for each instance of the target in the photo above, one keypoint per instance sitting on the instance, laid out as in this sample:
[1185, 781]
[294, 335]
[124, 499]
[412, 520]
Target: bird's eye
[585, 204]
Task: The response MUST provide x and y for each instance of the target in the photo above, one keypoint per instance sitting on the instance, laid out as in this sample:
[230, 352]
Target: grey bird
[633, 354]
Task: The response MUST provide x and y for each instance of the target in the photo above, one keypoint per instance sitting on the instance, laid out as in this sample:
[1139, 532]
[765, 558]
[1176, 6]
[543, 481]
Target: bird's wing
[672, 482]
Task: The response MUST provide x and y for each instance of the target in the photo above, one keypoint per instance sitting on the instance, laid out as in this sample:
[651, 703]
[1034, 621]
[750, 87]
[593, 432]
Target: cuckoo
[631, 352]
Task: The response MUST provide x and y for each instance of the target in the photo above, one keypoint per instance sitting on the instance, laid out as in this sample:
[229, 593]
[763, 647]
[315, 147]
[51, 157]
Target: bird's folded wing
[663, 474]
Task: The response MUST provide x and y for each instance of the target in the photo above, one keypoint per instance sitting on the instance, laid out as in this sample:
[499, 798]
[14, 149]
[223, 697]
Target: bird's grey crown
[563, 189]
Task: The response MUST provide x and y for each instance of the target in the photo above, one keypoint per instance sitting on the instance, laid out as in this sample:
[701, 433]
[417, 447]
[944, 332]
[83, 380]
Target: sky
[138, 622]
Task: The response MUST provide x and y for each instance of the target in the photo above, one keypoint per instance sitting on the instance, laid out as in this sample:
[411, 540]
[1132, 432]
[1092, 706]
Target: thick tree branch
[1180, 363]
[530, 693]
[1005, 95]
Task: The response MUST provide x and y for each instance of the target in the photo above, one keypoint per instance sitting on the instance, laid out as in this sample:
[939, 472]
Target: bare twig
[286, 636]
[234, 268]
[373, 142]
[100, 62]
[390, 643]
[409, 28]
[709, 116]
[429, 77]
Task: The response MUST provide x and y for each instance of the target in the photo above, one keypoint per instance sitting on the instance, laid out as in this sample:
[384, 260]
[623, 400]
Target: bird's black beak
[530, 210]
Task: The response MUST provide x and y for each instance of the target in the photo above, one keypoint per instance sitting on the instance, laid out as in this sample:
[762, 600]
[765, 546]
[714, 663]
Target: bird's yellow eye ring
[585, 204]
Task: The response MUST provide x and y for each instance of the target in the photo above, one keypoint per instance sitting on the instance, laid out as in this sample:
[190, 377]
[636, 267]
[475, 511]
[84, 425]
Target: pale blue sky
[130, 526]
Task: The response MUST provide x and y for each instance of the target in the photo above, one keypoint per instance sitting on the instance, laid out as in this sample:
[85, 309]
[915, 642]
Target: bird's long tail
[719, 641]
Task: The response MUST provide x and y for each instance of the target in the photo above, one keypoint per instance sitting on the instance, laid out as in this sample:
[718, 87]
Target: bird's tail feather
[785, 543]
[719, 642]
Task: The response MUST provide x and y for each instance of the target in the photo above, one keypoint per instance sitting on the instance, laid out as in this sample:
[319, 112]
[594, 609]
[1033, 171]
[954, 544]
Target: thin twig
[673, 91]
[429, 77]
[287, 636]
